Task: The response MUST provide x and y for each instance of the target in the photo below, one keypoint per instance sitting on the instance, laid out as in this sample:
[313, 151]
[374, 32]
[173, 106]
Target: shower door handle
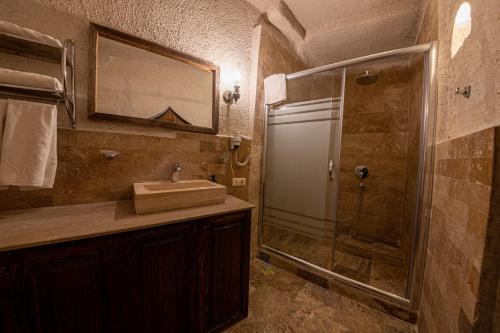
[330, 169]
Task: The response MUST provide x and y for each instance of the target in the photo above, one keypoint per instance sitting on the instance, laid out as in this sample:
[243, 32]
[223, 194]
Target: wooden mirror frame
[99, 30]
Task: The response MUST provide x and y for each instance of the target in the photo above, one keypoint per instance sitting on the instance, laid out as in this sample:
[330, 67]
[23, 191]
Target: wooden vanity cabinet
[63, 288]
[7, 297]
[227, 273]
[158, 287]
[185, 277]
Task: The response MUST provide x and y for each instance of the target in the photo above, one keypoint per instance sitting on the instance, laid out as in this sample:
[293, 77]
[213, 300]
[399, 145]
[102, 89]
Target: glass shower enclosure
[347, 171]
[302, 166]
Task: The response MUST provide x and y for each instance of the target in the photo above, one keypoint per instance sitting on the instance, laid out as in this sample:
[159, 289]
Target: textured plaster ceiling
[342, 29]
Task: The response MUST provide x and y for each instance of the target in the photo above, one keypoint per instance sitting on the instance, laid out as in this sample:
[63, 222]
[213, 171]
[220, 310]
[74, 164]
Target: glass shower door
[347, 172]
[301, 167]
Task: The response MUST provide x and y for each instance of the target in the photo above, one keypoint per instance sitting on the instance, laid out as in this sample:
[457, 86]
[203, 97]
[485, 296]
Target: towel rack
[65, 55]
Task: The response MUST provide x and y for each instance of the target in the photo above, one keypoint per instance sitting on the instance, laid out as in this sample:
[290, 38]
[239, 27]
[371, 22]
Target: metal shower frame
[424, 178]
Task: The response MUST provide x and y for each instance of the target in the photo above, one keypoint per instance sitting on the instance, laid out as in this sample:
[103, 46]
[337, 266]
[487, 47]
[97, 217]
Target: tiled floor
[283, 302]
[379, 265]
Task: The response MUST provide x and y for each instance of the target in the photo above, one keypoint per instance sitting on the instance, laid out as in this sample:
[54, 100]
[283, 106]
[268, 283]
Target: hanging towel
[275, 88]
[34, 80]
[15, 30]
[29, 145]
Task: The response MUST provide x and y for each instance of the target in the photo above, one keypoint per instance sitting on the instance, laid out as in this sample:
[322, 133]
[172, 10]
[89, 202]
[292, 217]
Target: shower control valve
[361, 171]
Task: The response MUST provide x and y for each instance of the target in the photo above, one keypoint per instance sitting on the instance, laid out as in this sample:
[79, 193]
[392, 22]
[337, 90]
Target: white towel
[12, 29]
[29, 145]
[34, 80]
[275, 88]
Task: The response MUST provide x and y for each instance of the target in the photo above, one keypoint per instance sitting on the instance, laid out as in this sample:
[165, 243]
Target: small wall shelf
[65, 55]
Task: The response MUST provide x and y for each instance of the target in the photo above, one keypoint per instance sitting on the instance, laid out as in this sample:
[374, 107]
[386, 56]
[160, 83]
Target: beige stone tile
[472, 194]
[365, 225]
[375, 144]
[477, 223]
[389, 276]
[481, 170]
[361, 266]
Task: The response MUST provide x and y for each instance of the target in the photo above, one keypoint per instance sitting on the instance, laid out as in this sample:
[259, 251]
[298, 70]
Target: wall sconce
[232, 97]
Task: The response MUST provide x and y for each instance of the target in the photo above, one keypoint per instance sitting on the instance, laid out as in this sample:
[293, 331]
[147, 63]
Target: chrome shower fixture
[361, 171]
[367, 79]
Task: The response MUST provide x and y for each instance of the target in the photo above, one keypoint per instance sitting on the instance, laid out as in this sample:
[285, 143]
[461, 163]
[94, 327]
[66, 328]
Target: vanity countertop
[40, 226]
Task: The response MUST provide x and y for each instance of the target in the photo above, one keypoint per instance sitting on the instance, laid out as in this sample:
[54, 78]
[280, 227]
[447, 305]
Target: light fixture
[231, 97]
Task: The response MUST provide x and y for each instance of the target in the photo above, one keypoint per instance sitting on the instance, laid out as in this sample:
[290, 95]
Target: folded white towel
[8, 76]
[12, 29]
[29, 145]
[275, 88]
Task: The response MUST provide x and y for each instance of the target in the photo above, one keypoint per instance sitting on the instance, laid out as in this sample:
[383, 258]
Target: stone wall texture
[461, 198]
[476, 63]
[200, 28]
[84, 175]
[375, 134]
[460, 272]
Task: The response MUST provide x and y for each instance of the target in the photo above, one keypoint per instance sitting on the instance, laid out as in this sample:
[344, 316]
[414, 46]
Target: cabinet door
[228, 266]
[13, 317]
[7, 305]
[65, 287]
[164, 266]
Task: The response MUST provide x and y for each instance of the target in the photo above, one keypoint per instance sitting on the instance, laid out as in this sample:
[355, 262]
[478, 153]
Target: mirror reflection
[136, 83]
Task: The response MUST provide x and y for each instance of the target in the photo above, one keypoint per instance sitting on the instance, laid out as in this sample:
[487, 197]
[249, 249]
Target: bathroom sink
[159, 196]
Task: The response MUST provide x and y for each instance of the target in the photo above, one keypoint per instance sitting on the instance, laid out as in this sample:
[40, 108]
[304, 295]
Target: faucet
[176, 171]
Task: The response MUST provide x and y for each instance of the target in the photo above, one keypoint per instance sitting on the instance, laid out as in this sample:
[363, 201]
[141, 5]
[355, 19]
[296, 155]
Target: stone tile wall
[84, 175]
[146, 153]
[461, 203]
[375, 134]
[200, 28]
[460, 275]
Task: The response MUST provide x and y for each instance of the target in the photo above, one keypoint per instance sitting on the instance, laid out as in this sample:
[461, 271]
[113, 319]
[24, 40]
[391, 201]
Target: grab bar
[69, 92]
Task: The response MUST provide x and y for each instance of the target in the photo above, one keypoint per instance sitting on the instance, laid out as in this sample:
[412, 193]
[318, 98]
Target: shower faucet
[361, 171]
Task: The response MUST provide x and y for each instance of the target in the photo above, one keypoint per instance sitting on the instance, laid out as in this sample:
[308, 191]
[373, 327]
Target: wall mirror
[137, 81]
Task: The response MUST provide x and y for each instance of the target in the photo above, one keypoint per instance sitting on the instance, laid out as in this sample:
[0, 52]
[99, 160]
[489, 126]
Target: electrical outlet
[237, 182]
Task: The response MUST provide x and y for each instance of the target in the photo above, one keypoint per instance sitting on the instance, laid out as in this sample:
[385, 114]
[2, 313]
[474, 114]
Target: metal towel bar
[34, 49]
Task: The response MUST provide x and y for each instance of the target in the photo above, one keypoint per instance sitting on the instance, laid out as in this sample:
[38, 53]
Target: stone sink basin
[150, 197]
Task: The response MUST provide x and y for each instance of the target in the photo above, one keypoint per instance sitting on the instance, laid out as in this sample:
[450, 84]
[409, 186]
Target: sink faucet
[176, 171]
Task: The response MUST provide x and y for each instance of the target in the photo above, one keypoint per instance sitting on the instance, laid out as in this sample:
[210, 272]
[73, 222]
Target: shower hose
[358, 204]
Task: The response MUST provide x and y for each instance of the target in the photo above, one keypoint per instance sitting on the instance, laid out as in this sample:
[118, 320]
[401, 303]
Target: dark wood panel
[167, 267]
[14, 315]
[67, 289]
[7, 309]
[187, 277]
[228, 269]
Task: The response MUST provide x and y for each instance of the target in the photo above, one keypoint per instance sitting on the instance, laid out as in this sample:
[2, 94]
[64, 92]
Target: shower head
[367, 78]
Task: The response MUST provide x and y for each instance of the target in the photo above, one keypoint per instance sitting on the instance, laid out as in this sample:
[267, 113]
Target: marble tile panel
[461, 204]
[305, 307]
[85, 176]
[389, 276]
